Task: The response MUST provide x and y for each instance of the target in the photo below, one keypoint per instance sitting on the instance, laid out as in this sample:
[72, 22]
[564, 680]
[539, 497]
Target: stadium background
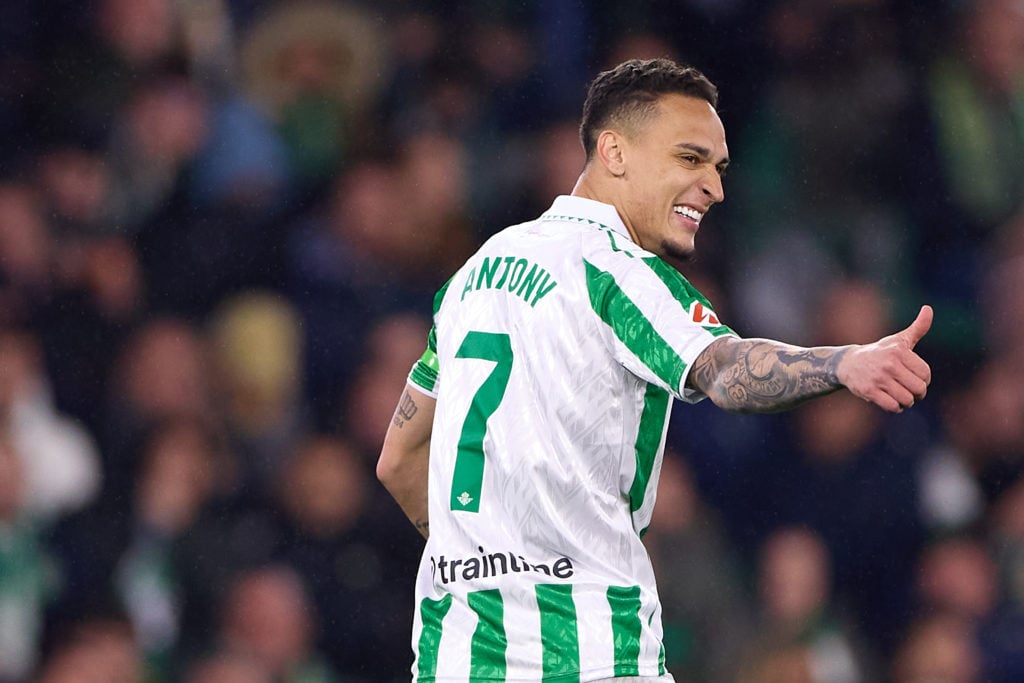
[221, 226]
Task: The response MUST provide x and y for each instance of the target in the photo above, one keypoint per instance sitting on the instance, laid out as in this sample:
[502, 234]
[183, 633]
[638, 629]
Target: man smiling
[531, 432]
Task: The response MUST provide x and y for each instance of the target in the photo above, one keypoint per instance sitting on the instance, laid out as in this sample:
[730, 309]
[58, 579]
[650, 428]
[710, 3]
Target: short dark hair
[629, 92]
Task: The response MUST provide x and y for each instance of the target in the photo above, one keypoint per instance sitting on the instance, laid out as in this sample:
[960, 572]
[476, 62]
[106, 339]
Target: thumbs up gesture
[888, 372]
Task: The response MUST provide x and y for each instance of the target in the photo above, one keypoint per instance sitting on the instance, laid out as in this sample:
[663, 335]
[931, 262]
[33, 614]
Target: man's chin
[678, 252]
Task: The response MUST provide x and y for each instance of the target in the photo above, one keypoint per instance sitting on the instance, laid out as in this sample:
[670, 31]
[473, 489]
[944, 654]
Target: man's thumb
[920, 326]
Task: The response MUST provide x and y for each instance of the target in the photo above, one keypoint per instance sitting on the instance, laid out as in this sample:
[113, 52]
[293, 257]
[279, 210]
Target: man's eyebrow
[704, 152]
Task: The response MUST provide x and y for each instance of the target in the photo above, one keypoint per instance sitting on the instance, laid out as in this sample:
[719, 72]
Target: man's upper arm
[707, 365]
[410, 428]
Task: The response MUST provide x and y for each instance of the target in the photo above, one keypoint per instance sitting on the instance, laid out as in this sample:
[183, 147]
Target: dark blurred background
[221, 226]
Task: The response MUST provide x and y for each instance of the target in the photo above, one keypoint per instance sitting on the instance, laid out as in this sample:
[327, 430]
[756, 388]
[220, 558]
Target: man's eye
[690, 158]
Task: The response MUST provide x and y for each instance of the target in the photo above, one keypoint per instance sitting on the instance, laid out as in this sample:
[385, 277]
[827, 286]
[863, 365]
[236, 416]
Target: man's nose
[712, 186]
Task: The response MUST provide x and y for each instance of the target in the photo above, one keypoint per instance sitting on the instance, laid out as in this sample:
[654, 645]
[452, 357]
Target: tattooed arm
[405, 457]
[761, 375]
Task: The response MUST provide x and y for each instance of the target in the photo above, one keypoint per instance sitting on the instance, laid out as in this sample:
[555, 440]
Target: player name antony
[517, 275]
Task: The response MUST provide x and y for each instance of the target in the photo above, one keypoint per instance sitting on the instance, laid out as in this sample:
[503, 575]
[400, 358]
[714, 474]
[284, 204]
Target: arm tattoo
[422, 526]
[761, 376]
[406, 409]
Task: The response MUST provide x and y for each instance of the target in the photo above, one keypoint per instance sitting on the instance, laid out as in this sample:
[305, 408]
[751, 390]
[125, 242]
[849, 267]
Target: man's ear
[610, 150]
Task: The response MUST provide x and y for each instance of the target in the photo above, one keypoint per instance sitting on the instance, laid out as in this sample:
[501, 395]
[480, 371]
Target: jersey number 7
[468, 477]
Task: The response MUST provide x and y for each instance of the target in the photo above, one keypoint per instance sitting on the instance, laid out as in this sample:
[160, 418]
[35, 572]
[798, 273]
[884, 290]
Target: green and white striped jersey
[554, 356]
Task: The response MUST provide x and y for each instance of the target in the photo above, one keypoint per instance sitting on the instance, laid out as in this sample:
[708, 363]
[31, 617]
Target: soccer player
[530, 433]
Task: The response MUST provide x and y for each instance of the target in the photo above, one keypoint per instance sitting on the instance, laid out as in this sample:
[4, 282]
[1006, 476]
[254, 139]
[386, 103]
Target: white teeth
[688, 212]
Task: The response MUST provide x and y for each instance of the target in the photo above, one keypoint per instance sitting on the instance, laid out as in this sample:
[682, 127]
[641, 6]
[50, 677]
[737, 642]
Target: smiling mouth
[688, 212]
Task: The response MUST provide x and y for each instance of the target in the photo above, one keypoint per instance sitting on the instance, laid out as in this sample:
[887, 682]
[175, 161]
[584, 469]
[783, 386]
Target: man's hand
[888, 372]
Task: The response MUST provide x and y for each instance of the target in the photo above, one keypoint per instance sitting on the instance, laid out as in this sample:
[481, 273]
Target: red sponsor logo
[703, 315]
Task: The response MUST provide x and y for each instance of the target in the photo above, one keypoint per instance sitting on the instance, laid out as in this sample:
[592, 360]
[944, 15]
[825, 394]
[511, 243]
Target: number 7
[468, 477]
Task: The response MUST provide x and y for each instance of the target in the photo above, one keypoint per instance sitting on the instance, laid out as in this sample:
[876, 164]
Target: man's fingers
[917, 329]
[884, 401]
[903, 397]
[909, 380]
[899, 388]
[919, 367]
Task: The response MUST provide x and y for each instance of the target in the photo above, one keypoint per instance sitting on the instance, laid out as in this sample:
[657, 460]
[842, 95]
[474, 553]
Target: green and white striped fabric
[555, 354]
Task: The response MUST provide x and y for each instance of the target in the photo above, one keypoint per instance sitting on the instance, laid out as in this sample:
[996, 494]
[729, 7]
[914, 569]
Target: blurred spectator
[98, 282]
[26, 253]
[999, 298]
[965, 154]
[984, 425]
[958, 576]
[227, 668]
[26, 579]
[811, 199]
[158, 131]
[352, 560]
[544, 164]
[161, 371]
[950, 498]
[268, 616]
[99, 298]
[75, 181]
[435, 177]
[93, 648]
[202, 183]
[61, 465]
[177, 480]
[938, 647]
[798, 615]
[704, 607]
[208, 41]
[92, 73]
[257, 358]
[779, 665]
[243, 164]
[315, 68]
[127, 554]
[1003, 646]
[360, 258]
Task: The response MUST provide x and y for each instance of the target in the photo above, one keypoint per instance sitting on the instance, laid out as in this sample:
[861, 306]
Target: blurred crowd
[222, 223]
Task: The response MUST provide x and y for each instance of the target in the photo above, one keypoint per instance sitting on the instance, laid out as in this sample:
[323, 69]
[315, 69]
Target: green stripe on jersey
[625, 604]
[558, 631]
[432, 613]
[682, 291]
[439, 295]
[632, 328]
[487, 649]
[648, 439]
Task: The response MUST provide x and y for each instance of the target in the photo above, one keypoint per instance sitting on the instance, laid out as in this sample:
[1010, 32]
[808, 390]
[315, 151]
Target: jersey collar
[583, 210]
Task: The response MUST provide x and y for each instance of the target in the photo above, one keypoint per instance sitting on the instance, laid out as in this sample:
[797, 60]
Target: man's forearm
[405, 457]
[763, 376]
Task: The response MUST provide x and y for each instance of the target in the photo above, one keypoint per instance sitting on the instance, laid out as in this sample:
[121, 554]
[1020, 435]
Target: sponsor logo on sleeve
[703, 315]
